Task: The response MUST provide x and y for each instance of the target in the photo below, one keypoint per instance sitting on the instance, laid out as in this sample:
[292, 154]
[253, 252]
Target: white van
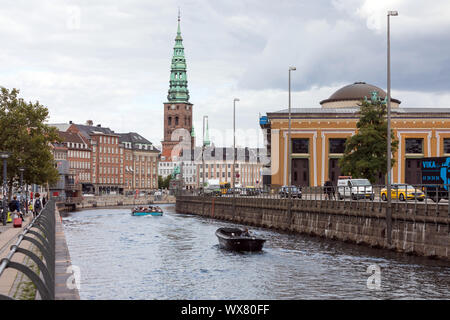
[354, 188]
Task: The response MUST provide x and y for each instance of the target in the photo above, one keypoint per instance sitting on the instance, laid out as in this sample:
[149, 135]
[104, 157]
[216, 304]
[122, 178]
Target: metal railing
[400, 193]
[42, 228]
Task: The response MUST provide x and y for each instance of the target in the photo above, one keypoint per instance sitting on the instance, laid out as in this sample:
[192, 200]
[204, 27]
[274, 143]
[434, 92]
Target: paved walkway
[8, 237]
[65, 288]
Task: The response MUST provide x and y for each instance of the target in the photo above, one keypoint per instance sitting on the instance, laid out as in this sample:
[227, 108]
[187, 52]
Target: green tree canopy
[163, 183]
[365, 154]
[27, 138]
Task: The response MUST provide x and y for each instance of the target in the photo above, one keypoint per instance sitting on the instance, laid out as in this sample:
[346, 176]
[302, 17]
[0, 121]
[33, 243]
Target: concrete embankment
[114, 201]
[417, 229]
[65, 274]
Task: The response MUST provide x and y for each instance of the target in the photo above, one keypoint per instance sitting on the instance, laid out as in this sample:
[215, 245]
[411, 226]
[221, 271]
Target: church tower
[177, 109]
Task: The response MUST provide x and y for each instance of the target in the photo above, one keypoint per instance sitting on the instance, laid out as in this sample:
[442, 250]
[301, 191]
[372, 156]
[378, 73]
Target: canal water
[177, 256]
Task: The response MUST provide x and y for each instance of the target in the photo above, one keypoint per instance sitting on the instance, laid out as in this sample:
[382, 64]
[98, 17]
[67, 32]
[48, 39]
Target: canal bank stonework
[416, 229]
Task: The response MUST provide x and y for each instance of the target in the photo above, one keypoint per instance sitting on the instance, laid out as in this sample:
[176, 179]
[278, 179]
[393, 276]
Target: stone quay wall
[114, 201]
[417, 228]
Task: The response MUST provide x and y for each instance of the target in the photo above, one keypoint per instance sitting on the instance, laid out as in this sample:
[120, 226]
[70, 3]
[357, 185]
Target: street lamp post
[289, 135]
[21, 170]
[4, 156]
[26, 199]
[388, 182]
[234, 144]
[203, 151]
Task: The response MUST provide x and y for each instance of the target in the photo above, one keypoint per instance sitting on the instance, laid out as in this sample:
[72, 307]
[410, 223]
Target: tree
[160, 182]
[164, 183]
[167, 181]
[365, 154]
[27, 138]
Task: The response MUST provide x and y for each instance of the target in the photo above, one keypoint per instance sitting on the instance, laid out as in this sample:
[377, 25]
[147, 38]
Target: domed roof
[357, 91]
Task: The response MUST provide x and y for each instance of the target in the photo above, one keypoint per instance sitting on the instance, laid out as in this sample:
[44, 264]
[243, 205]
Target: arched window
[176, 121]
[169, 120]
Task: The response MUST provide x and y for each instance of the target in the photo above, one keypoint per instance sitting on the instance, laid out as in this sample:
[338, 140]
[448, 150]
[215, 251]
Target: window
[337, 145]
[300, 145]
[176, 121]
[169, 121]
[414, 145]
[446, 145]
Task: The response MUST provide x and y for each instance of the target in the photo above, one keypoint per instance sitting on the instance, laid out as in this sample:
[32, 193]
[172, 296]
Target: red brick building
[79, 158]
[105, 162]
[140, 163]
[127, 168]
[106, 158]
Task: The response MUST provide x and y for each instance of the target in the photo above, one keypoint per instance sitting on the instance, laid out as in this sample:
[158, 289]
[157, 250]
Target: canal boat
[238, 239]
[147, 211]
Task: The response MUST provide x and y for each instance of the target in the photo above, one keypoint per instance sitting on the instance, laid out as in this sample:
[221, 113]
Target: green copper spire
[178, 91]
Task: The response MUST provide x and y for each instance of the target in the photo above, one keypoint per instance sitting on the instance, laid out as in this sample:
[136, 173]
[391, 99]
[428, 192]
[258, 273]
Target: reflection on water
[177, 257]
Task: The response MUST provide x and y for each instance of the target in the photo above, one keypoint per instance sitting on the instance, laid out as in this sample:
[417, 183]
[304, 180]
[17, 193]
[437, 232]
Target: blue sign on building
[263, 120]
[436, 171]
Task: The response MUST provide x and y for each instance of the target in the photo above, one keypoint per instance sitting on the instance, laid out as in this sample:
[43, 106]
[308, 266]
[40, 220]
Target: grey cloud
[113, 61]
[342, 49]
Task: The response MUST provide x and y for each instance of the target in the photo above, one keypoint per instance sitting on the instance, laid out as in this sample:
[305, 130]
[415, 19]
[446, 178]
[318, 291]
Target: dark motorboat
[238, 240]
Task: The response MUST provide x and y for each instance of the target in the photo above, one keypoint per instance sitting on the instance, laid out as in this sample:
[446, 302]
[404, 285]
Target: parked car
[403, 192]
[248, 191]
[296, 192]
[213, 190]
[355, 188]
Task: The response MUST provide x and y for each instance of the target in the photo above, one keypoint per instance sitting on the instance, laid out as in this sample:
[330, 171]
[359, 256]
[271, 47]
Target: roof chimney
[70, 122]
[89, 123]
[99, 125]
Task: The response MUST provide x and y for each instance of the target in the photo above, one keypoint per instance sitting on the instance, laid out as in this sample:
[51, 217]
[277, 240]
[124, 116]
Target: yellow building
[318, 136]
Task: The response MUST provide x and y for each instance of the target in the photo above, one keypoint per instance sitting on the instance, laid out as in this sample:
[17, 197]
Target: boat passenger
[246, 233]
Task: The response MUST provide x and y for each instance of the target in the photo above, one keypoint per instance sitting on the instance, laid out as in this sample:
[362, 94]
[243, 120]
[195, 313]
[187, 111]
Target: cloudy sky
[109, 60]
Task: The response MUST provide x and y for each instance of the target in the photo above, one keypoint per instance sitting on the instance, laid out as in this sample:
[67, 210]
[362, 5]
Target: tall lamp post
[388, 182]
[234, 144]
[204, 143]
[21, 170]
[289, 135]
[4, 156]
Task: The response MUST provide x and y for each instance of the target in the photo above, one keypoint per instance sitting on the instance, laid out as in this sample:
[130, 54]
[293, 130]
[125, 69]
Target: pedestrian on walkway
[14, 207]
[329, 189]
[37, 205]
